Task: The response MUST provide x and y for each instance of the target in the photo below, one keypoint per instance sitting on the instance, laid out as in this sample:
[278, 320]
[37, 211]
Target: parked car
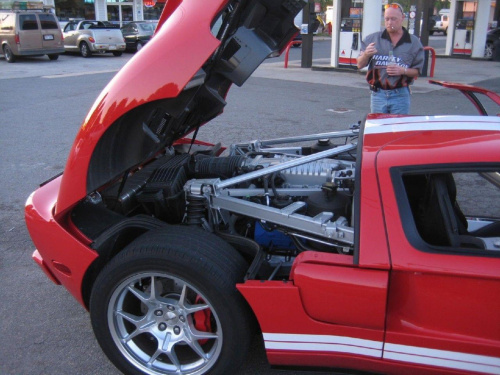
[88, 37]
[441, 22]
[431, 24]
[367, 252]
[29, 33]
[138, 33]
[492, 40]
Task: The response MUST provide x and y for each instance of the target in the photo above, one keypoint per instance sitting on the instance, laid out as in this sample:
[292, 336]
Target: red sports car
[375, 249]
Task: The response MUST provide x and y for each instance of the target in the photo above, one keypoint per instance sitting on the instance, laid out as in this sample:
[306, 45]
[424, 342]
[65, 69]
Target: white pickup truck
[88, 37]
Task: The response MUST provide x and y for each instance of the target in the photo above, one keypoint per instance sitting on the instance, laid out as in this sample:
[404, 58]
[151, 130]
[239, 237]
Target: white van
[29, 33]
[442, 20]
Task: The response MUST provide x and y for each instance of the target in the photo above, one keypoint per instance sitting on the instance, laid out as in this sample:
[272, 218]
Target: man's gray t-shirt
[409, 53]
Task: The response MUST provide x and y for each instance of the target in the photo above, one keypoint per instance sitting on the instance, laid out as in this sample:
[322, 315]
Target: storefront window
[120, 14]
[153, 13]
[152, 9]
[66, 9]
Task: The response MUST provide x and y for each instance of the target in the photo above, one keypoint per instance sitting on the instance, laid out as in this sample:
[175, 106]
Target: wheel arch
[205, 262]
[111, 242]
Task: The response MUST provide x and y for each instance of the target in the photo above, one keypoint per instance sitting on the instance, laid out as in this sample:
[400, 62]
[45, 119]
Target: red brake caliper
[202, 319]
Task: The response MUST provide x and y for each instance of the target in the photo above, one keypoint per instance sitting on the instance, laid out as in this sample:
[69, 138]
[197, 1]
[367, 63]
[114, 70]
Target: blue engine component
[274, 239]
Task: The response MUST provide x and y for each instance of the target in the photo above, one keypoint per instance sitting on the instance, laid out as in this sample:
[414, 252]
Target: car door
[443, 307]
[70, 36]
[51, 35]
[29, 33]
[129, 32]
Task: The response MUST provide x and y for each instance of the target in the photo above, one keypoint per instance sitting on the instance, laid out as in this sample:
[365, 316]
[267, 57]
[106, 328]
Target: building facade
[115, 11]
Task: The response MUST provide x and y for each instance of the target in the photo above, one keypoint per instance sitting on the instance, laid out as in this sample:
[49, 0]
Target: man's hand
[370, 50]
[395, 70]
[365, 55]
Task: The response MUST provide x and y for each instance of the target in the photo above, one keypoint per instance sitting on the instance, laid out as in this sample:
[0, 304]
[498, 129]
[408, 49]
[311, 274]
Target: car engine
[269, 199]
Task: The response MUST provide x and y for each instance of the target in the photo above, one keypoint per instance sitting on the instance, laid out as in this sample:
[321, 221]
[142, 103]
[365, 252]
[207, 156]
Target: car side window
[455, 210]
[28, 22]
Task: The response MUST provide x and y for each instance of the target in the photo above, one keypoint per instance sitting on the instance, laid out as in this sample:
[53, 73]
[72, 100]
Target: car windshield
[147, 27]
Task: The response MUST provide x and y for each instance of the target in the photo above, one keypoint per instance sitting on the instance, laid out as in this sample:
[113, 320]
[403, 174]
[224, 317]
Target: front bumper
[61, 251]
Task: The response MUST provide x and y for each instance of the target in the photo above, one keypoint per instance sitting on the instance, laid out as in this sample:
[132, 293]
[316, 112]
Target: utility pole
[425, 7]
[307, 39]
[422, 18]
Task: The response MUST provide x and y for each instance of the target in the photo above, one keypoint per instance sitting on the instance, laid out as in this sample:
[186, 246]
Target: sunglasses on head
[395, 6]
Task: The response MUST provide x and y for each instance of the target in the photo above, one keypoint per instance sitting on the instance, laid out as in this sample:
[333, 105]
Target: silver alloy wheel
[9, 56]
[153, 319]
[488, 51]
[84, 49]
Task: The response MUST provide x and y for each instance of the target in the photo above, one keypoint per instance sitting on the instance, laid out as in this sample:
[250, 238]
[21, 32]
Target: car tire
[431, 32]
[445, 32]
[168, 304]
[53, 56]
[85, 50]
[139, 46]
[117, 54]
[9, 56]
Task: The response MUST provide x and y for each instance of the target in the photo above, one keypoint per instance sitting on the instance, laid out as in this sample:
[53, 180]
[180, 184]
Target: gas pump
[464, 31]
[350, 32]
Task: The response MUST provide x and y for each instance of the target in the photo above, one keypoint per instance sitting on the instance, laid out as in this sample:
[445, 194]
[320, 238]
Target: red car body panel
[417, 293]
[347, 289]
[470, 93]
[428, 283]
[63, 254]
[193, 39]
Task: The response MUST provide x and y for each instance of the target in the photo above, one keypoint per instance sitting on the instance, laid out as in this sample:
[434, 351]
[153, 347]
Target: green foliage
[441, 5]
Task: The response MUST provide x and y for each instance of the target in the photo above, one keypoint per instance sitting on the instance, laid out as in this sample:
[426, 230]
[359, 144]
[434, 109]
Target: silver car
[88, 37]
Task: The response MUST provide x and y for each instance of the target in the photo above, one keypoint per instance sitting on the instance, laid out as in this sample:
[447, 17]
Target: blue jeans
[391, 101]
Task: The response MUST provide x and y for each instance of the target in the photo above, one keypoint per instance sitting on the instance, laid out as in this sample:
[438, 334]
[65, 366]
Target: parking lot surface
[43, 103]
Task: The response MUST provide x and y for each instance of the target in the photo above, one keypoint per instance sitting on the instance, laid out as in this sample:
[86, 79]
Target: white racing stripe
[423, 123]
[401, 353]
[442, 358]
[323, 343]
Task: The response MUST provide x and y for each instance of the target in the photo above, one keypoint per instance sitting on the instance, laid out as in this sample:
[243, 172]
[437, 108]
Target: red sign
[149, 3]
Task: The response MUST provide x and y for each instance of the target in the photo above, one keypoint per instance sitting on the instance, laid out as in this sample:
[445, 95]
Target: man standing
[389, 80]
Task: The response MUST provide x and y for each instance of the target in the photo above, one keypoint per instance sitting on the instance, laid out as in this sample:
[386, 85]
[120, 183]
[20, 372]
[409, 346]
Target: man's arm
[418, 62]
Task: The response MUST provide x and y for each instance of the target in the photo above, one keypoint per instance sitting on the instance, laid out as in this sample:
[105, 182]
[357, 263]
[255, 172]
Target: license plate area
[48, 37]
[112, 48]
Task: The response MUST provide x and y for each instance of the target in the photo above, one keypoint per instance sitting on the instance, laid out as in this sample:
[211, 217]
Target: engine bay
[269, 199]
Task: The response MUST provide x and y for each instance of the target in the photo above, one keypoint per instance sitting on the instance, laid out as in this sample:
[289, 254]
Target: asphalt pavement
[43, 330]
[450, 69]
